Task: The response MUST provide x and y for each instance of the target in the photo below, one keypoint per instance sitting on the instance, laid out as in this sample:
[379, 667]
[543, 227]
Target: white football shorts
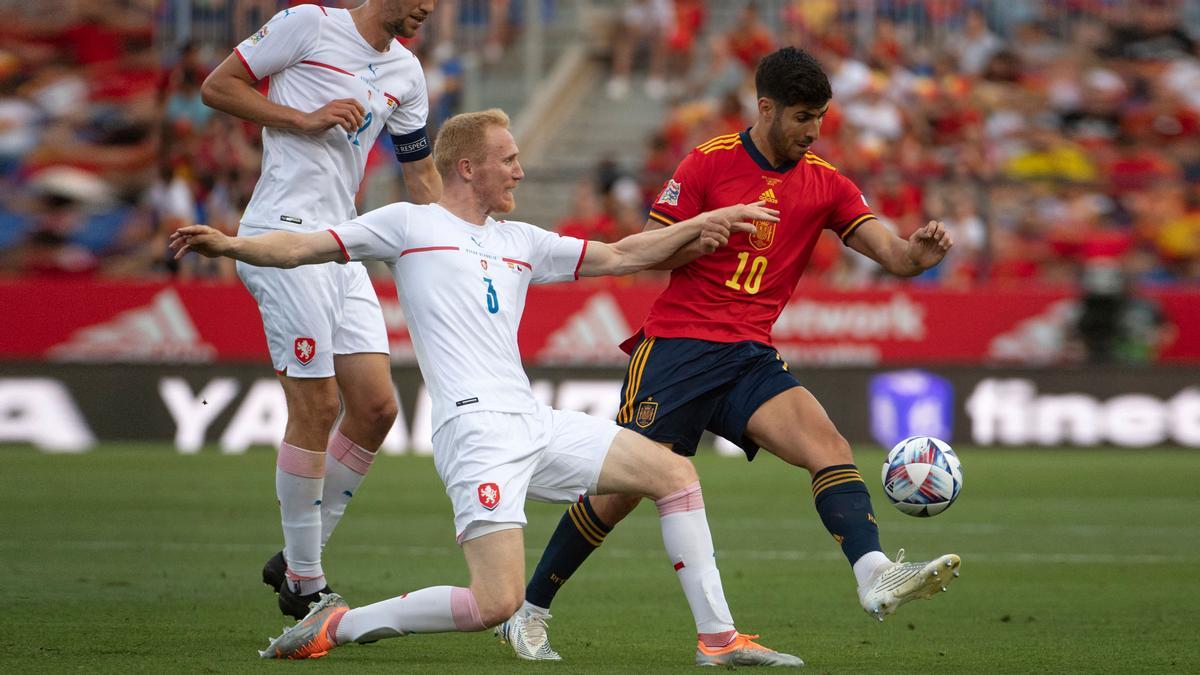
[312, 312]
[492, 461]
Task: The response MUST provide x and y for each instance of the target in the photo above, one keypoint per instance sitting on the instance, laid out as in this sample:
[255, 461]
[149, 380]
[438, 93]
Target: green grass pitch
[136, 559]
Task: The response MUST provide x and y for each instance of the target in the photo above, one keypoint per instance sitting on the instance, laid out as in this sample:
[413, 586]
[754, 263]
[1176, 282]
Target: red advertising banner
[572, 324]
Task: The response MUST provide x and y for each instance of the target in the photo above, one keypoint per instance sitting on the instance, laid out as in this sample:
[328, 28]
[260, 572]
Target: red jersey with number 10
[737, 292]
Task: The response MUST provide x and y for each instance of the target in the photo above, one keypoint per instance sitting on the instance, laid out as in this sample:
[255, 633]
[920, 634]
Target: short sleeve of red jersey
[683, 196]
[284, 41]
[849, 208]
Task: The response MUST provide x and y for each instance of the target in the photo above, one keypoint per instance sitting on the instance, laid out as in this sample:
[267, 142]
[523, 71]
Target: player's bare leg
[496, 561]
[795, 427]
[592, 519]
[365, 382]
[497, 565]
[313, 406]
[638, 466]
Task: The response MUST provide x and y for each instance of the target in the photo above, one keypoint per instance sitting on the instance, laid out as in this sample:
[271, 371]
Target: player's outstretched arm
[689, 251]
[684, 255]
[230, 89]
[643, 250]
[902, 257]
[276, 249]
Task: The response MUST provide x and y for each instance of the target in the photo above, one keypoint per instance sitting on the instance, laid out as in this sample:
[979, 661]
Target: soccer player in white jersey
[338, 79]
[462, 278]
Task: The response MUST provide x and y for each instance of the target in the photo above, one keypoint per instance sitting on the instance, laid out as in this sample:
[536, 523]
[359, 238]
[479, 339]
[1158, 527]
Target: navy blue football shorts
[675, 388]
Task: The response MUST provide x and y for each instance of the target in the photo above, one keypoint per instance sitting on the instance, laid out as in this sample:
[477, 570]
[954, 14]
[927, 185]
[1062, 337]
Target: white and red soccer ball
[922, 476]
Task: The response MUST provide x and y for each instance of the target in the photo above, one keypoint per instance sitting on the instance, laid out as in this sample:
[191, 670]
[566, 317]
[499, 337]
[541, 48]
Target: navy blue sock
[845, 508]
[579, 532]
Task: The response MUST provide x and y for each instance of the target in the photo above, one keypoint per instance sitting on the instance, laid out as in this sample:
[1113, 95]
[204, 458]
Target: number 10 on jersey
[753, 279]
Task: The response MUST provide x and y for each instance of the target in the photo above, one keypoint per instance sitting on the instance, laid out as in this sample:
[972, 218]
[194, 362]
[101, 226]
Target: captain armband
[412, 146]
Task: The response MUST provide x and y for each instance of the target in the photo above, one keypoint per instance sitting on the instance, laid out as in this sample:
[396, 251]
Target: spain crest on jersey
[670, 194]
[764, 234]
[645, 413]
[489, 496]
[305, 349]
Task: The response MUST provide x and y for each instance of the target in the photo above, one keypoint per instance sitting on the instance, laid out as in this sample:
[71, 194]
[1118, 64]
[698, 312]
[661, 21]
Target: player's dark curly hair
[791, 76]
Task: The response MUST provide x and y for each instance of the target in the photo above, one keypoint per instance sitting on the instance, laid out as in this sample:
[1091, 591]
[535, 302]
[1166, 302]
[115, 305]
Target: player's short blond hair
[464, 136]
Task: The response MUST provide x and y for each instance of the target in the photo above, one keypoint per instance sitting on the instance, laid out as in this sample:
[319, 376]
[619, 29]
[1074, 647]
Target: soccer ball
[922, 476]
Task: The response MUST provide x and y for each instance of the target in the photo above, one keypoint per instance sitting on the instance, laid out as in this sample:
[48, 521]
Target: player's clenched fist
[199, 238]
[719, 224]
[346, 113]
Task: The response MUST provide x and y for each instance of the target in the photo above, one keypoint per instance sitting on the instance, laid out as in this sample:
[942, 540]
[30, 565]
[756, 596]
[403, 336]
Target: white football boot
[526, 632]
[898, 582]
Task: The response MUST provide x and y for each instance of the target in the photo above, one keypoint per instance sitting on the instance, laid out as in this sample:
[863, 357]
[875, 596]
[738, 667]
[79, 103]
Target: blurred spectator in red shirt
[587, 219]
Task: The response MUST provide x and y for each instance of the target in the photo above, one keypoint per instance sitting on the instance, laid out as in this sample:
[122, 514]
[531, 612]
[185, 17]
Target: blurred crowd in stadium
[1047, 135]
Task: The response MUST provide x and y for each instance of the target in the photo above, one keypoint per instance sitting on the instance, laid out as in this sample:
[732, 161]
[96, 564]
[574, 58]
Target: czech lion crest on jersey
[305, 349]
[646, 412]
[670, 194]
[489, 496]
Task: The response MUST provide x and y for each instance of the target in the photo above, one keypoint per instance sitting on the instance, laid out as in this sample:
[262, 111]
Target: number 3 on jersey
[493, 302]
[753, 279]
[353, 138]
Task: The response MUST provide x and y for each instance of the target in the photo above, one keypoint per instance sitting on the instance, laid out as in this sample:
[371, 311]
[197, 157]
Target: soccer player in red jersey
[703, 358]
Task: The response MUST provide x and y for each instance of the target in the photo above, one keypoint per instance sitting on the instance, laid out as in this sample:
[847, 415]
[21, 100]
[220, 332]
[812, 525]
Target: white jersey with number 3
[463, 290]
[315, 55]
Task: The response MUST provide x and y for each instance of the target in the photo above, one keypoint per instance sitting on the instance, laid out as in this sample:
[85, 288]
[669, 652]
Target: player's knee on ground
[498, 602]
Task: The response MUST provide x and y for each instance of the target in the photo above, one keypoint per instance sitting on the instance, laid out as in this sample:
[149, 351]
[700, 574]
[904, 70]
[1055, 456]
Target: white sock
[438, 609]
[298, 484]
[689, 544]
[864, 567]
[531, 609]
[346, 465]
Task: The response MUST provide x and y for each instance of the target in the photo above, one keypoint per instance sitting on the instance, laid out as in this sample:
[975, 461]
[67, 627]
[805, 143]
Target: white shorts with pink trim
[492, 461]
[312, 312]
